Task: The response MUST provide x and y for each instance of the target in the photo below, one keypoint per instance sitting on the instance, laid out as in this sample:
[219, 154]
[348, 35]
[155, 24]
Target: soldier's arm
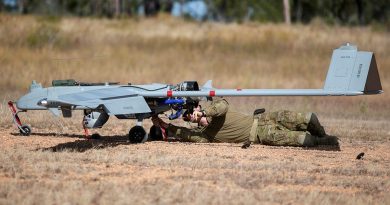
[188, 135]
[217, 108]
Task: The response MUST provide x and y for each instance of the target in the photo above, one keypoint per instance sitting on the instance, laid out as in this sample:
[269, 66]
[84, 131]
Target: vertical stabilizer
[208, 85]
[353, 70]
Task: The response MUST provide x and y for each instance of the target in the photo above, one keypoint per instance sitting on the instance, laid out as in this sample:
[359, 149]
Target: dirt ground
[49, 168]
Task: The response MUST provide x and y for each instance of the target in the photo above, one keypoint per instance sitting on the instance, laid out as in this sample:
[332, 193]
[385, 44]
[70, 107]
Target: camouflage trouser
[284, 128]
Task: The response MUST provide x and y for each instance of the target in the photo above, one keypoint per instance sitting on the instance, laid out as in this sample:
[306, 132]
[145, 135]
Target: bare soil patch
[49, 168]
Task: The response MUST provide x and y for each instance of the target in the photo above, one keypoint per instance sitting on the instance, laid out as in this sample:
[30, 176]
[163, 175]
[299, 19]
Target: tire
[137, 134]
[155, 134]
[26, 129]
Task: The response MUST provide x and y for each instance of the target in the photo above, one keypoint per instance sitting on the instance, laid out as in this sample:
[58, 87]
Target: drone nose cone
[31, 100]
[21, 105]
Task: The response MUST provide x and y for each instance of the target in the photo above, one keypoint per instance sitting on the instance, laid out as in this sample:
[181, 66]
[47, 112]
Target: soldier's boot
[314, 126]
[246, 144]
[328, 140]
[307, 140]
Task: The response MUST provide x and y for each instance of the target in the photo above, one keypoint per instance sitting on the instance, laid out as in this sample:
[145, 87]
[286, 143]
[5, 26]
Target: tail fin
[208, 85]
[353, 70]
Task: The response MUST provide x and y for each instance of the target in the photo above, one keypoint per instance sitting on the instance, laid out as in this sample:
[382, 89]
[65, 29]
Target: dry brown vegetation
[57, 166]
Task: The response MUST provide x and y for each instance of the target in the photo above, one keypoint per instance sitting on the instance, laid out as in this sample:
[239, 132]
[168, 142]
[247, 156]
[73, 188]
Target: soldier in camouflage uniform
[218, 123]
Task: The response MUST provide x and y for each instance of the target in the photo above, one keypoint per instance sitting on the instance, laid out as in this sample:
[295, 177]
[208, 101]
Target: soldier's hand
[197, 114]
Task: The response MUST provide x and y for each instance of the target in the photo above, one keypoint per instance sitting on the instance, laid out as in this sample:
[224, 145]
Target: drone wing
[115, 100]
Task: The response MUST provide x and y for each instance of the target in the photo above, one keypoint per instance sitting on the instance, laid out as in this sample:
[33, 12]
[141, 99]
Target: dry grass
[170, 50]
[57, 166]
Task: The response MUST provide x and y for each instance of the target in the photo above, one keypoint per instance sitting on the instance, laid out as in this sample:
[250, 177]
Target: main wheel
[26, 130]
[155, 134]
[137, 134]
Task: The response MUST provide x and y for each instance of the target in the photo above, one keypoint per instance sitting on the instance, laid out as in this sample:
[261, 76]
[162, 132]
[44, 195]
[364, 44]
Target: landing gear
[137, 134]
[24, 130]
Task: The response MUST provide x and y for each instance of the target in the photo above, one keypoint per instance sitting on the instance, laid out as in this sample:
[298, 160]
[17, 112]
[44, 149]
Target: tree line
[344, 12]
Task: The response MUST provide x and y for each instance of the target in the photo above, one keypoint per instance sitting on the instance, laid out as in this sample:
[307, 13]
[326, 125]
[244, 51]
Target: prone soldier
[218, 123]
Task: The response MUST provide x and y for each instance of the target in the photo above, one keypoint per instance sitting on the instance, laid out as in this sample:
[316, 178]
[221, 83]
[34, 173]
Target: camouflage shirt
[225, 125]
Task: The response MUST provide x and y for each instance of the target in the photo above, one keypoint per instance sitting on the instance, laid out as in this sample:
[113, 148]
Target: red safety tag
[164, 134]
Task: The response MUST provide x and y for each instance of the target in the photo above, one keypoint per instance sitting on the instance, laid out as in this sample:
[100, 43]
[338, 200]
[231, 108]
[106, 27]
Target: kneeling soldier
[217, 123]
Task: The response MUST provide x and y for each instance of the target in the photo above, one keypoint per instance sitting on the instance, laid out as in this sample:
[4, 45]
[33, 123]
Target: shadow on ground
[51, 134]
[319, 148]
[87, 144]
[239, 146]
[324, 148]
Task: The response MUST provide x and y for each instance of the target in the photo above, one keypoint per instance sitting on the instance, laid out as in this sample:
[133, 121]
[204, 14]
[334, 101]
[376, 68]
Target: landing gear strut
[24, 130]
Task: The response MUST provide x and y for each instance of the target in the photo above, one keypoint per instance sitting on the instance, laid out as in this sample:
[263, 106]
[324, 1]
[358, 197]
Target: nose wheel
[24, 130]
